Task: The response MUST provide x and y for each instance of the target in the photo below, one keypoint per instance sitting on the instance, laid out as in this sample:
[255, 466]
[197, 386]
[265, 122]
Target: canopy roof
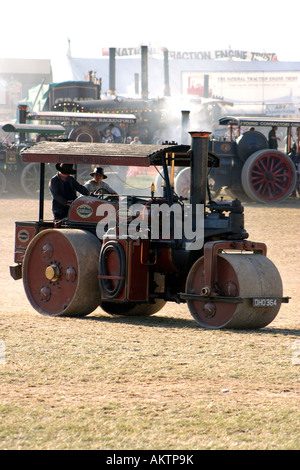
[34, 129]
[258, 121]
[110, 154]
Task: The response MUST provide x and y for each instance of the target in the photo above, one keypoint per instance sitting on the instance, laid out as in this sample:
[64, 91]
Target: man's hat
[65, 168]
[98, 171]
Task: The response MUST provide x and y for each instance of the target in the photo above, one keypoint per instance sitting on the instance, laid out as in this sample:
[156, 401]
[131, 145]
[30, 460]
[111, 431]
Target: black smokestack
[145, 92]
[22, 115]
[167, 91]
[199, 163]
[112, 70]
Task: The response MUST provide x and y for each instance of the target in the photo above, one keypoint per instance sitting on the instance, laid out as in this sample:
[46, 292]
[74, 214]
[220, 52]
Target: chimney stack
[112, 71]
[145, 91]
[167, 91]
[198, 178]
[185, 122]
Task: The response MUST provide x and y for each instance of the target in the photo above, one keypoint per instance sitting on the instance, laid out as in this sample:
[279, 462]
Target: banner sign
[224, 54]
[282, 110]
[197, 55]
[256, 87]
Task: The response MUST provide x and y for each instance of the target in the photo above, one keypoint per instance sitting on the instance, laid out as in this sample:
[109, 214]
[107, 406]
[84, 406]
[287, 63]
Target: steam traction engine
[248, 169]
[14, 174]
[72, 268]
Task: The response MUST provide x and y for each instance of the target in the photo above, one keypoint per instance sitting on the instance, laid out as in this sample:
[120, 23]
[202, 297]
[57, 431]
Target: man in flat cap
[63, 188]
[98, 183]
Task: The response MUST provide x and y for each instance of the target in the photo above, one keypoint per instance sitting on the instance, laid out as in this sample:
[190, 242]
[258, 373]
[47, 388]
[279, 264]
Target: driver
[98, 183]
[63, 188]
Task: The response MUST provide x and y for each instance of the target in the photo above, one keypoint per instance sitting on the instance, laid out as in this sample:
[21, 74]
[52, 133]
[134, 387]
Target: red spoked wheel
[240, 278]
[60, 272]
[268, 176]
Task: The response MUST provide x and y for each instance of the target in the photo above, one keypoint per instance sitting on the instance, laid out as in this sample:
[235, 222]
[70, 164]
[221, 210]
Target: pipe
[198, 178]
[205, 87]
[145, 92]
[22, 115]
[185, 122]
[112, 71]
[167, 91]
[136, 84]
[42, 196]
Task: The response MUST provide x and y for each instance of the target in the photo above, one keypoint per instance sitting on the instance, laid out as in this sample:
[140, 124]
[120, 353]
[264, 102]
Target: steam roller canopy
[250, 142]
[240, 277]
[60, 272]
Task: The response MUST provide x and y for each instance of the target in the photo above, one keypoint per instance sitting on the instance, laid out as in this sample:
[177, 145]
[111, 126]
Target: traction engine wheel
[182, 184]
[30, 178]
[158, 185]
[60, 272]
[84, 133]
[239, 276]
[268, 176]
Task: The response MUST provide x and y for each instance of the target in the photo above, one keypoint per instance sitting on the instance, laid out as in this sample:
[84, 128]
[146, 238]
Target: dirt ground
[155, 383]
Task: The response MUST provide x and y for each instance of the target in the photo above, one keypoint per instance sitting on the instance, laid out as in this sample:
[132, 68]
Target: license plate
[264, 302]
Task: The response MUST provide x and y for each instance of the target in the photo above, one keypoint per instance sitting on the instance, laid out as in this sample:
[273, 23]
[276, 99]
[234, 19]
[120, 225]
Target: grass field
[160, 382]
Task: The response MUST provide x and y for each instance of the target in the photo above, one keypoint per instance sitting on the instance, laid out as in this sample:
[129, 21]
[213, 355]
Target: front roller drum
[249, 292]
[60, 272]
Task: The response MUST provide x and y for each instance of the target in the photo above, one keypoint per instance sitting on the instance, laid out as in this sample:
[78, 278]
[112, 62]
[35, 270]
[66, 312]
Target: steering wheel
[103, 193]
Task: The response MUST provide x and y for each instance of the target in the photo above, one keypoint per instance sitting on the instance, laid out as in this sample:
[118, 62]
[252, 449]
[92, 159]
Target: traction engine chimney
[112, 71]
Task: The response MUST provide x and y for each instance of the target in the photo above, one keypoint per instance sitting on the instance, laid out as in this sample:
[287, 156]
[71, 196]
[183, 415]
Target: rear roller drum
[240, 277]
[60, 272]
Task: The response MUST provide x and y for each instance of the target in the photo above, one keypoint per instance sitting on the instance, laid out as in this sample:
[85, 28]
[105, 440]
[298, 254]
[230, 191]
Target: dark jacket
[62, 192]
[273, 144]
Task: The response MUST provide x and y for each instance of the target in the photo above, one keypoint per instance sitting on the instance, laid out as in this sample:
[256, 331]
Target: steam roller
[130, 254]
